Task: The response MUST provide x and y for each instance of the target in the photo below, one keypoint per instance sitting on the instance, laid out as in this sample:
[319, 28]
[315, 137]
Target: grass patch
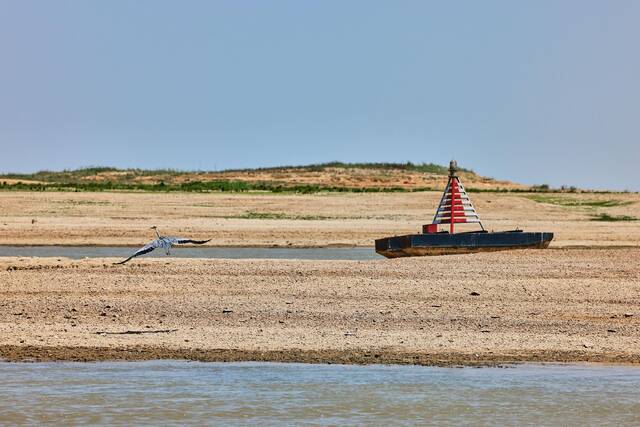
[613, 218]
[280, 215]
[263, 215]
[572, 202]
[83, 202]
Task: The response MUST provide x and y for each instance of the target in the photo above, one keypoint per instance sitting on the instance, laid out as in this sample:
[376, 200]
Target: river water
[79, 252]
[194, 393]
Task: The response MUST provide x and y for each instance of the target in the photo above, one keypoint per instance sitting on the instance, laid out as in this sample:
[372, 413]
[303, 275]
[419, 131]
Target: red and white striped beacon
[455, 205]
[456, 208]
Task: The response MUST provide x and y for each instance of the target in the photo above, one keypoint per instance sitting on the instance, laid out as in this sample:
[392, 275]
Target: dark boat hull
[461, 243]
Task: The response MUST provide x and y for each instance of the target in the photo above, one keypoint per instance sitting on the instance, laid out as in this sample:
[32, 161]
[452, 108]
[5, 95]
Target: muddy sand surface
[297, 220]
[534, 305]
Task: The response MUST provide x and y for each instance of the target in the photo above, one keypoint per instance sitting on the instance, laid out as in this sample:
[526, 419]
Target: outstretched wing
[143, 250]
[195, 242]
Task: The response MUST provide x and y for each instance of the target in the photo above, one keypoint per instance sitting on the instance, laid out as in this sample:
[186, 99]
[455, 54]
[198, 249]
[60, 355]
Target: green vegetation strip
[200, 186]
[278, 187]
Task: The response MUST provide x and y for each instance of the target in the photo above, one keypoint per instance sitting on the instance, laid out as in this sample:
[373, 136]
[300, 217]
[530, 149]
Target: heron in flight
[164, 242]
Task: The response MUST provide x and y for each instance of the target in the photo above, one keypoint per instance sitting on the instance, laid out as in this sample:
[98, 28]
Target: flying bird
[164, 242]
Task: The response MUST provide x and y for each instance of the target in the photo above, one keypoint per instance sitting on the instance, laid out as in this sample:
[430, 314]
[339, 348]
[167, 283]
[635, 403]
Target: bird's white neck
[157, 234]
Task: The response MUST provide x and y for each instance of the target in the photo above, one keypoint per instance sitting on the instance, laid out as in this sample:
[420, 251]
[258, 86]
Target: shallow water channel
[193, 393]
[79, 252]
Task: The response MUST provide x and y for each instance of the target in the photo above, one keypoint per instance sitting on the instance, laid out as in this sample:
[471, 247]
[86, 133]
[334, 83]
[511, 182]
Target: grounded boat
[456, 208]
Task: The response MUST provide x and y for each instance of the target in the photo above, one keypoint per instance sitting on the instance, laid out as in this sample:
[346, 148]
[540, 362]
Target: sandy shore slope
[551, 305]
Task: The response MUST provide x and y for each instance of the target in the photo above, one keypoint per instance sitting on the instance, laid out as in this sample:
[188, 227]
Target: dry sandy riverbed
[59, 218]
[537, 305]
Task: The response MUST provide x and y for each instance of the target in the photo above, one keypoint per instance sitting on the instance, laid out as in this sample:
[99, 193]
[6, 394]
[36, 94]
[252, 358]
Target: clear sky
[532, 91]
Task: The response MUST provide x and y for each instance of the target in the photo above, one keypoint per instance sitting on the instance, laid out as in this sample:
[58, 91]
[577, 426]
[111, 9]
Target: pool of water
[193, 393]
[79, 252]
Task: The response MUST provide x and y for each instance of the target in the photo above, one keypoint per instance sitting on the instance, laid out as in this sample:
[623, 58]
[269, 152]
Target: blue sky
[536, 92]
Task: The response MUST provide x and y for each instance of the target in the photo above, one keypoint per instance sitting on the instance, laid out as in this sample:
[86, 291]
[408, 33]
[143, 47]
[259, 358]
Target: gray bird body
[164, 242]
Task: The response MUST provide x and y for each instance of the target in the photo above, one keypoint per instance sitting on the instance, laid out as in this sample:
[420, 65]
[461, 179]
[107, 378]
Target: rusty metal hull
[461, 243]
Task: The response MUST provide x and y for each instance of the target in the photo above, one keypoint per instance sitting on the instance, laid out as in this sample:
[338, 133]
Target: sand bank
[560, 305]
